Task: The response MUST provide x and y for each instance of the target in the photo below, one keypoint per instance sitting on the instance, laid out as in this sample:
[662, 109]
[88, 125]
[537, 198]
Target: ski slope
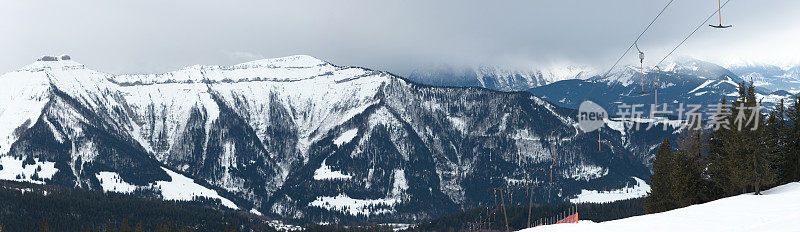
[778, 209]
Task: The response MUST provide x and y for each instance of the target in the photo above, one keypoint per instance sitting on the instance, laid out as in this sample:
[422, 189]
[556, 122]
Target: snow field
[778, 209]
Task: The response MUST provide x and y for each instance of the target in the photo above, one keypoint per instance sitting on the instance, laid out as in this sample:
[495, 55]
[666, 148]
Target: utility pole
[530, 207]
[503, 202]
[505, 214]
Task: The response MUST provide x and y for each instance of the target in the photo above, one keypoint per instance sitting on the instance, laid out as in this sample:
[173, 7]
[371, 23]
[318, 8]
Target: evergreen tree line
[745, 151]
[32, 207]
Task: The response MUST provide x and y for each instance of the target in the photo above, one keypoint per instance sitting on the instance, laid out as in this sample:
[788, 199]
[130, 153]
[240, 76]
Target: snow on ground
[593, 196]
[12, 169]
[348, 205]
[397, 226]
[705, 84]
[346, 137]
[281, 226]
[585, 172]
[777, 210]
[21, 102]
[458, 123]
[399, 185]
[324, 172]
[256, 212]
[353, 206]
[111, 182]
[182, 188]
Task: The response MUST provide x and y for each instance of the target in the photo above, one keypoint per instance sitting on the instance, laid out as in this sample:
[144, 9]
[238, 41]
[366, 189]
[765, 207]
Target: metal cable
[695, 30]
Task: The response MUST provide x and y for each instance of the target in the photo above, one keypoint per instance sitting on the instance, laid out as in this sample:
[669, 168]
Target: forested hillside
[745, 151]
[32, 207]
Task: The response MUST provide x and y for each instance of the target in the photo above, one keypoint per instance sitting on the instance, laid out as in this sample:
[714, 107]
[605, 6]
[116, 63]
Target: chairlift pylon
[719, 12]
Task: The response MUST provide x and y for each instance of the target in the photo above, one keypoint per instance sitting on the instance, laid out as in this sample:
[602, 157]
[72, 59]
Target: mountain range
[300, 138]
[497, 77]
[683, 80]
[771, 77]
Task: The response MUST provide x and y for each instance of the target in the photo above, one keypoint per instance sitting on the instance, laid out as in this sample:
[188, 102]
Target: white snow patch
[586, 172]
[398, 226]
[617, 125]
[346, 137]
[348, 205]
[281, 226]
[702, 86]
[182, 188]
[111, 182]
[324, 172]
[13, 168]
[399, 185]
[352, 206]
[593, 196]
[458, 123]
[255, 211]
[729, 81]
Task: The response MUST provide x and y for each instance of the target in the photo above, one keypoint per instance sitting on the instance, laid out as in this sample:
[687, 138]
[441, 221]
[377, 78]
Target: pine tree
[660, 198]
[718, 164]
[777, 131]
[735, 144]
[778, 140]
[793, 141]
[764, 171]
[689, 163]
[750, 161]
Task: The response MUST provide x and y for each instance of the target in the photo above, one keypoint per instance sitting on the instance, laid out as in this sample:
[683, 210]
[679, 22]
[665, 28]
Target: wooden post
[530, 206]
[505, 214]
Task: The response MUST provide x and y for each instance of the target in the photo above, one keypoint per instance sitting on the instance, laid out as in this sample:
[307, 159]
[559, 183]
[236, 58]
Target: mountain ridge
[399, 150]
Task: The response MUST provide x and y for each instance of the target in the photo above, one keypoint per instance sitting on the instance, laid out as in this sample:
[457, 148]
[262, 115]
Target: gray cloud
[159, 36]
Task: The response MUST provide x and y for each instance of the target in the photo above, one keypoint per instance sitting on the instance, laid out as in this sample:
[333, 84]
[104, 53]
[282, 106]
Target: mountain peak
[295, 61]
[47, 62]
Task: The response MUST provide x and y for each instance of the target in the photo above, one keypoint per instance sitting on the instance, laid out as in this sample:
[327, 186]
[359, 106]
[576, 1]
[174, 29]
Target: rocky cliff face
[296, 137]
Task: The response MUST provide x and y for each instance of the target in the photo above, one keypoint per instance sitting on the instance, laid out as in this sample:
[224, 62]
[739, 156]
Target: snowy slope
[777, 210]
[640, 189]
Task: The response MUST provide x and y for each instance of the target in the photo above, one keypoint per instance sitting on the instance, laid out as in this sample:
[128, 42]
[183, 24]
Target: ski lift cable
[637, 38]
[631, 46]
[695, 30]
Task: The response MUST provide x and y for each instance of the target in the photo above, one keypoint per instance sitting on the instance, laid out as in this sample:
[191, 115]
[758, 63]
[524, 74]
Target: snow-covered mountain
[502, 78]
[770, 77]
[684, 80]
[776, 210]
[296, 137]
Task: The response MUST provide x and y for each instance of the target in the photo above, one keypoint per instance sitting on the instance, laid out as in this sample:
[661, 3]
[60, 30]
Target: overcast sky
[147, 36]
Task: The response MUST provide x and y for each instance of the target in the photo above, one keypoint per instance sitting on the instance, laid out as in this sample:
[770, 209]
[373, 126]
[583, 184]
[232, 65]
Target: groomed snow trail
[778, 209]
